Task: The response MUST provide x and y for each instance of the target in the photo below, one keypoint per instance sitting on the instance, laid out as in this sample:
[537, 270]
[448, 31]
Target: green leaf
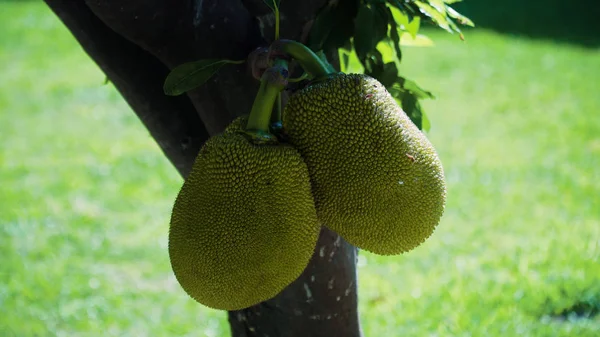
[435, 11]
[389, 74]
[408, 95]
[373, 63]
[374, 66]
[412, 87]
[321, 28]
[399, 15]
[463, 20]
[333, 26]
[394, 35]
[425, 123]
[437, 17]
[351, 62]
[273, 4]
[344, 60]
[386, 48]
[418, 41]
[451, 1]
[453, 25]
[405, 7]
[413, 26]
[439, 6]
[411, 106]
[370, 28]
[192, 74]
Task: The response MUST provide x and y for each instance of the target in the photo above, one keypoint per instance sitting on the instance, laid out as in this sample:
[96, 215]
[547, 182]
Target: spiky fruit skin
[236, 125]
[244, 224]
[377, 181]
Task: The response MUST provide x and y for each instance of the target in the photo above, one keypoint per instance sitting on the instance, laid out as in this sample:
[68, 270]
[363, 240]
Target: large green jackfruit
[244, 224]
[377, 181]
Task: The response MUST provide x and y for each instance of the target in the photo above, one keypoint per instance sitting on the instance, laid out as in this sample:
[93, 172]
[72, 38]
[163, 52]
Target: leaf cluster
[366, 27]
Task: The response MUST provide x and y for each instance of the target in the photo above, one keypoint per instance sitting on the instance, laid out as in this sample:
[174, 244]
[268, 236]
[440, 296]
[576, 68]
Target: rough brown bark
[136, 42]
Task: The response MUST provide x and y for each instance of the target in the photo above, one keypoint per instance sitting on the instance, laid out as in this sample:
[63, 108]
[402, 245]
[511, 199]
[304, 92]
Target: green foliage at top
[360, 27]
[363, 28]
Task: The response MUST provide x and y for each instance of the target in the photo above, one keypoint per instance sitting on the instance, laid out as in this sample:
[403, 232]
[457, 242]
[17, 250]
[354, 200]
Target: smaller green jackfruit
[244, 224]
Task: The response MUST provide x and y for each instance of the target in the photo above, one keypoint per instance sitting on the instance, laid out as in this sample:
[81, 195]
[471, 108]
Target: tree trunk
[136, 43]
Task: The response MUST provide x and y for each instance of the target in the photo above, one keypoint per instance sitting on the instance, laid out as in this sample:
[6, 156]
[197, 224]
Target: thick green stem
[299, 79]
[276, 116]
[308, 60]
[272, 83]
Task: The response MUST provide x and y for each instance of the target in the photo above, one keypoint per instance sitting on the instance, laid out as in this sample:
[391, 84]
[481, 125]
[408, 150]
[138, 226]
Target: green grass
[85, 196]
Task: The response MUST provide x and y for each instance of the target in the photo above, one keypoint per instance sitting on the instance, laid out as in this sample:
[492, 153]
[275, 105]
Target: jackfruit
[376, 179]
[244, 224]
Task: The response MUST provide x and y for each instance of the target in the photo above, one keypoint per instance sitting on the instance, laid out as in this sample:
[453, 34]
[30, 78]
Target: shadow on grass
[574, 21]
[572, 307]
[584, 309]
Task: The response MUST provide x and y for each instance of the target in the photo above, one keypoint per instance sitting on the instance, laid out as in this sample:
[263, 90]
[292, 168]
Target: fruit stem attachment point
[272, 82]
[299, 79]
[308, 60]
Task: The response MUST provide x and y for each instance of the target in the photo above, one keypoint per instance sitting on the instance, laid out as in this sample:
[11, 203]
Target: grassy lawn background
[85, 197]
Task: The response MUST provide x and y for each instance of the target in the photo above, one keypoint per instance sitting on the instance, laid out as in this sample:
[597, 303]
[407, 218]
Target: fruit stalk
[272, 82]
[276, 116]
[308, 60]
